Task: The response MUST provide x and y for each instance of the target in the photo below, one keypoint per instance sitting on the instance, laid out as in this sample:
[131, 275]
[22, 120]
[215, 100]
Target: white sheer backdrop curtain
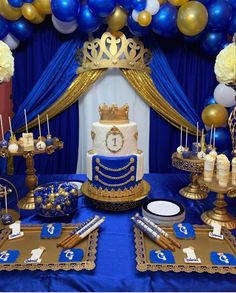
[112, 88]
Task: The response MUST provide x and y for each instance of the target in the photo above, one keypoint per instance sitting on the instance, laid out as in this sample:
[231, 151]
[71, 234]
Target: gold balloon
[144, 18]
[215, 115]
[192, 18]
[177, 2]
[43, 6]
[9, 12]
[118, 19]
[30, 13]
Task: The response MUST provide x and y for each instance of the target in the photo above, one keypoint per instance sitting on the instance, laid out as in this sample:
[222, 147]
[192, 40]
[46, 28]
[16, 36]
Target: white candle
[48, 125]
[197, 134]
[26, 122]
[214, 138]
[1, 126]
[9, 118]
[211, 134]
[5, 198]
[186, 138]
[40, 134]
[86, 233]
[181, 135]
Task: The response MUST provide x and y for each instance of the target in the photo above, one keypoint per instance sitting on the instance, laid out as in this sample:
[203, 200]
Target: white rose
[225, 65]
[6, 62]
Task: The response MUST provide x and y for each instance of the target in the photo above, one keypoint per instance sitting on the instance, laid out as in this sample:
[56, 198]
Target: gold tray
[203, 245]
[32, 240]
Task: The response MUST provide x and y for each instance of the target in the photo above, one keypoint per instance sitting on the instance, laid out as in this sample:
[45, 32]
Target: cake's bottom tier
[121, 176]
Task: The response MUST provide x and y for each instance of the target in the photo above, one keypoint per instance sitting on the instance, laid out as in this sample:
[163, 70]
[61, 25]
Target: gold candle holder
[219, 214]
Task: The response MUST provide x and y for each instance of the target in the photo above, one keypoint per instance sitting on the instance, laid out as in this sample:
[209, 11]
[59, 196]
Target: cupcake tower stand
[195, 166]
[219, 214]
[40, 146]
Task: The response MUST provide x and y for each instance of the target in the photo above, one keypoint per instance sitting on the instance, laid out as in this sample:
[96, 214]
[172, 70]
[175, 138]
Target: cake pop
[180, 148]
[214, 152]
[201, 155]
[41, 145]
[49, 140]
[13, 146]
[6, 218]
[209, 146]
[3, 143]
[186, 149]
[196, 147]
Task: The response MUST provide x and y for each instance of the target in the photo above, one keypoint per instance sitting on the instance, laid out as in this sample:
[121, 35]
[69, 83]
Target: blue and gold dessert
[114, 165]
[56, 199]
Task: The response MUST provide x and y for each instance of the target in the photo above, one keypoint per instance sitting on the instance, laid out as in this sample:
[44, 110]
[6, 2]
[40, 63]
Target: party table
[115, 263]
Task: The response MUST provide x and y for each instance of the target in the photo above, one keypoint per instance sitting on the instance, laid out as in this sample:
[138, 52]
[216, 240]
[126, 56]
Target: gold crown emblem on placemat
[113, 113]
[113, 51]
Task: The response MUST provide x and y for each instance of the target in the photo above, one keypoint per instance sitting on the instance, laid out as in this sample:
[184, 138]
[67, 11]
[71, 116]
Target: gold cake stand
[219, 214]
[31, 180]
[196, 167]
[116, 203]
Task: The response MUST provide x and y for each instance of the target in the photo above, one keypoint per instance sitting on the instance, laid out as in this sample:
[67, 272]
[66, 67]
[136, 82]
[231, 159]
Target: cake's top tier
[114, 140]
[114, 114]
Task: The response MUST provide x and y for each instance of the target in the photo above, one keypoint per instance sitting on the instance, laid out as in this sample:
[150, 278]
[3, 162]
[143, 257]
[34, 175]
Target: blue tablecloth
[115, 264]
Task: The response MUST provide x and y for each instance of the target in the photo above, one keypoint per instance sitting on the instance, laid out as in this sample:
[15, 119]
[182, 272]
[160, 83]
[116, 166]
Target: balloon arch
[210, 23]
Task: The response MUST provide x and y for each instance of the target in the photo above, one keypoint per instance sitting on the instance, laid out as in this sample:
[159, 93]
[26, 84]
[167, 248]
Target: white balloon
[135, 14]
[152, 6]
[11, 41]
[64, 27]
[225, 95]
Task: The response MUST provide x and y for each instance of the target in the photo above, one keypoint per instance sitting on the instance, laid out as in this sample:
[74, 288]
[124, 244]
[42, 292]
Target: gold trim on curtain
[78, 88]
[145, 87]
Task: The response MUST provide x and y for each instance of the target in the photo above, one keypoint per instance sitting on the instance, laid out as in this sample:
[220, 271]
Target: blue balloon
[232, 24]
[16, 3]
[135, 28]
[224, 44]
[102, 8]
[3, 28]
[28, 1]
[232, 3]
[212, 42]
[210, 101]
[22, 29]
[139, 5]
[164, 23]
[87, 21]
[65, 10]
[220, 13]
[126, 4]
[223, 139]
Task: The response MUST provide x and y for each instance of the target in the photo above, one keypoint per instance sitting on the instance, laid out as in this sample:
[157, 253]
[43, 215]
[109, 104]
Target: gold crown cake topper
[113, 113]
[113, 51]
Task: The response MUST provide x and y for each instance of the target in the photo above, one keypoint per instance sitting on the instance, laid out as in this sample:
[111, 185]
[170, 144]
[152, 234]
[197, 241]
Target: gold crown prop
[113, 113]
[113, 51]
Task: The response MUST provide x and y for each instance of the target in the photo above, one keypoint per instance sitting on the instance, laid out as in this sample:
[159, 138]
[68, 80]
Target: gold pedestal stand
[219, 214]
[31, 180]
[195, 166]
[116, 204]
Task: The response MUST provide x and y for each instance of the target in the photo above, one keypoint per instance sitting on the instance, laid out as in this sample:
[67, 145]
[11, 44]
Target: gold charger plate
[117, 204]
[203, 245]
[32, 240]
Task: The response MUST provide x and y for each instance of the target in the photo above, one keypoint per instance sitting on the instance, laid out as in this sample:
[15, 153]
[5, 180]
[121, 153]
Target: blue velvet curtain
[195, 73]
[183, 75]
[37, 85]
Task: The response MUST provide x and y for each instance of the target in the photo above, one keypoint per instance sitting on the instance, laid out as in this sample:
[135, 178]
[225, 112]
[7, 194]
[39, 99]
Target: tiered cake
[114, 165]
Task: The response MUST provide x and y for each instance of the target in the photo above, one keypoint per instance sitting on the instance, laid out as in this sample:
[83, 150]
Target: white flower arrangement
[225, 65]
[6, 63]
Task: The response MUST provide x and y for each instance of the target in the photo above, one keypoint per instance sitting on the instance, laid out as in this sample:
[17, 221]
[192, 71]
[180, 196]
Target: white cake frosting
[129, 132]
